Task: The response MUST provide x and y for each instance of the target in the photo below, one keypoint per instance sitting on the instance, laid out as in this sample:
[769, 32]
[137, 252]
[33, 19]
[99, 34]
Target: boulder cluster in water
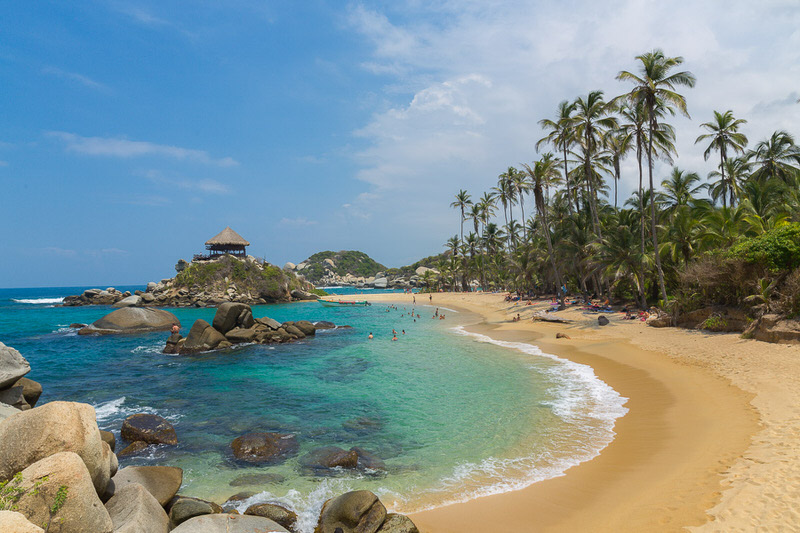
[59, 472]
[234, 324]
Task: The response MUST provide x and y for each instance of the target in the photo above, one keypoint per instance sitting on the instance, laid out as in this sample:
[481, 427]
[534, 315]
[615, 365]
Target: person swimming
[394, 338]
[370, 335]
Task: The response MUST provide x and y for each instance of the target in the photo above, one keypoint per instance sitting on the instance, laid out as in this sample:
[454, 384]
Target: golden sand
[711, 441]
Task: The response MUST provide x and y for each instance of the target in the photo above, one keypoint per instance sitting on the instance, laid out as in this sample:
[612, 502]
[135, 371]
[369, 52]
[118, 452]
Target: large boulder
[774, 328]
[30, 436]
[12, 366]
[353, 512]
[264, 447]
[380, 283]
[134, 510]
[297, 294]
[148, 428]
[306, 327]
[109, 439]
[130, 301]
[398, 523]
[202, 338]
[162, 482]
[174, 344]
[183, 508]
[269, 322]
[31, 390]
[227, 316]
[228, 523]
[131, 320]
[276, 513]
[14, 522]
[238, 335]
[14, 397]
[79, 512]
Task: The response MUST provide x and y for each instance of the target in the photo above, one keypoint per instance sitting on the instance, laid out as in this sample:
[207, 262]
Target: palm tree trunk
[566, 181]
[724, 181]
[653, 210]
[641, 223]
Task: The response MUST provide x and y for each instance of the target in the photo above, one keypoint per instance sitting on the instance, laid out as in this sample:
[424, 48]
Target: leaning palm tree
[591, 122]
[462, 201]
[655, 87]
[776, 158]
[543, 171]
[561, 136]
[724, 135]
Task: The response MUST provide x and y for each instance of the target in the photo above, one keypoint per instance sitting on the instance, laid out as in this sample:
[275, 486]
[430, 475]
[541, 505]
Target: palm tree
[462, 201]
[776, 158]
[591, 121]
[680, 188]
[655, 88]
[731, 176]
[561, 136]
[543, 171]
[724, 136]
[522, 186]
[619, 143]
[617, 254]
[505, 192]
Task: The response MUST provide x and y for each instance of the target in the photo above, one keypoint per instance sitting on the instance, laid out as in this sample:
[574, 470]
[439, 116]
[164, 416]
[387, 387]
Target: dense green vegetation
[732, 239]
[267, 281]
[345, 262]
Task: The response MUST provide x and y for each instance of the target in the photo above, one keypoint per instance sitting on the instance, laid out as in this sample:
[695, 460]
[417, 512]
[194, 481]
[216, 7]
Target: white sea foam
[116, 410]
[49, 301]
[582, 400]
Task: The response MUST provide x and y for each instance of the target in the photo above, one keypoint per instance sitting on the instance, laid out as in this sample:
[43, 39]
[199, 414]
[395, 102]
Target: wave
[115, 410]
[585, 402]
[38, 301]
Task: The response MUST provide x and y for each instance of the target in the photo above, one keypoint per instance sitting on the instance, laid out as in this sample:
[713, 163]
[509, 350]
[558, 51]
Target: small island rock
[264, 447]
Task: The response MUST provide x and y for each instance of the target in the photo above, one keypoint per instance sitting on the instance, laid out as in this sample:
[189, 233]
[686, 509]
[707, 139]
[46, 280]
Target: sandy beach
[710, 442]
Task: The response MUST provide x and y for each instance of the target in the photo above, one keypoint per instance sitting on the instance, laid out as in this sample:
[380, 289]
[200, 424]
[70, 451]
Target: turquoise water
[456, 415]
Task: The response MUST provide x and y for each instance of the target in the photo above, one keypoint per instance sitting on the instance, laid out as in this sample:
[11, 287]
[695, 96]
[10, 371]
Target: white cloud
[476, 77]
[56, 251]
[205, 185]
[299, 221]
[124, 148]
[74, 76]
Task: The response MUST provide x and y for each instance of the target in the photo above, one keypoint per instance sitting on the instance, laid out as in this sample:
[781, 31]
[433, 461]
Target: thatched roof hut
[227, 241]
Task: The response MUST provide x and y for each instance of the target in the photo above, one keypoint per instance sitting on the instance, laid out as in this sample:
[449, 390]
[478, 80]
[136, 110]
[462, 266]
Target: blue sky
[131, 132]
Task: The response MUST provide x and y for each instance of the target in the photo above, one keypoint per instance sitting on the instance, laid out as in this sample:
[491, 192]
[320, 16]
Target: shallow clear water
[456, 415]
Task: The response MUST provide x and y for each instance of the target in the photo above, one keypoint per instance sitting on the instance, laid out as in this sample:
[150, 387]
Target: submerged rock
[268, 478]
[264, 447]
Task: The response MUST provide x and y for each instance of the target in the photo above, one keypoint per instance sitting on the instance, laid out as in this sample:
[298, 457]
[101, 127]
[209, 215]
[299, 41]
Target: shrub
[777, 249]
[714, 323]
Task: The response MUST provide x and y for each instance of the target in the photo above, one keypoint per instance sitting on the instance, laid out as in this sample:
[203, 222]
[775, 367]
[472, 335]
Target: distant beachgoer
[370, 335]
[430, 297]
[394, 331]
[394, 338]
[175, 328]
[404, 332]
[414, 298]
[437, 312]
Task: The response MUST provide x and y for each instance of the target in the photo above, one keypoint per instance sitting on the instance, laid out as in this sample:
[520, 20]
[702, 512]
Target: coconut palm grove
[680, 241]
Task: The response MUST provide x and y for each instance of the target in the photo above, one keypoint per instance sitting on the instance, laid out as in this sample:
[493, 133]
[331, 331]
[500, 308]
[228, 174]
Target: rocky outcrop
[131, 301]
[297, 294]
[228, 523]
[261, 448]
[131, 320]
[107, 296]
[54, 427]
[31, 390]
[133, 448]
[174, 343]
[775, 328]
[716, 318]
[276, 513]
[233, 323]
[162, 482]
[12, 366]
[148, 428]
[79, 512]
[397, 523]
[134, 510]
[202, 338]
[14, 397]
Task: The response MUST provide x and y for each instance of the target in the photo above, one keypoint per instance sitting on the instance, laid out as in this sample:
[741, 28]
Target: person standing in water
[370, 335]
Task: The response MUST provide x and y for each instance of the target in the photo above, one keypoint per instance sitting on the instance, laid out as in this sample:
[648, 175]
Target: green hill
[342, 263]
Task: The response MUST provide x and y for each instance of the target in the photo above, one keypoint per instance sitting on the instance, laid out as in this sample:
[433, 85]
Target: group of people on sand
[640, 315]
[516, 318]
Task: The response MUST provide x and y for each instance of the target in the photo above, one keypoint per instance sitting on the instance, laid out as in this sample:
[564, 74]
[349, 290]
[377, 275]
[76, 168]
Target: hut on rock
[226, 242]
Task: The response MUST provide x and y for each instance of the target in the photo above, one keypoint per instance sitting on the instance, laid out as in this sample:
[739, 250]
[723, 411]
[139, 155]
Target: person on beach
[370, 335]
[415, 299]
[430, 297]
